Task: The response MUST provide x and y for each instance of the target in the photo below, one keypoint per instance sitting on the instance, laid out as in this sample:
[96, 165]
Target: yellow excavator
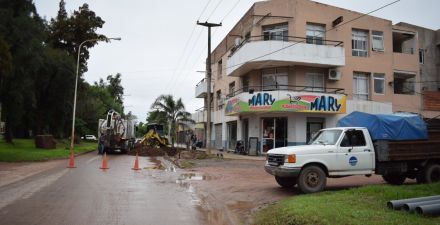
[155, 138]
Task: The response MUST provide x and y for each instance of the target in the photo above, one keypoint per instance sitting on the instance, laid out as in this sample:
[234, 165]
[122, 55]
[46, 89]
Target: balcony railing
[293, 88]
[201, 82]
[293, 39]
[202, 88]
[257, 51]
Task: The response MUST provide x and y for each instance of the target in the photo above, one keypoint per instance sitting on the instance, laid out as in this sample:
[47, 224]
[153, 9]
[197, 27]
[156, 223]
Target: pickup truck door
[355, 155]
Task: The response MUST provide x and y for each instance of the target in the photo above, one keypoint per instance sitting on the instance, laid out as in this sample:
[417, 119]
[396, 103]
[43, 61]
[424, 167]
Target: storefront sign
[285, 101]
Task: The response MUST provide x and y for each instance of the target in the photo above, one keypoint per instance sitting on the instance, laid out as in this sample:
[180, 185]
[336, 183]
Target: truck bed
[406, 150]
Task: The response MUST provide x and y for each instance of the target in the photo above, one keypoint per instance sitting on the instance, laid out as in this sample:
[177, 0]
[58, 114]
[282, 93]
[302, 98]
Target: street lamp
[71, 163]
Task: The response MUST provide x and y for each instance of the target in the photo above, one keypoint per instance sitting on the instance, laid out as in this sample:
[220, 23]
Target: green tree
[37, 64]
[5, 59]
[53, 93]
[22, 34]
[156, 116]
[174, 111]
[115, 88]
[96, 101]
[67, 32]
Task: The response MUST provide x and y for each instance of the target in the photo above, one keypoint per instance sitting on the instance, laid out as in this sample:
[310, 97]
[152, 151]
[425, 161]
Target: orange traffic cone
[104, 162]
[71, 161]
[136, 163]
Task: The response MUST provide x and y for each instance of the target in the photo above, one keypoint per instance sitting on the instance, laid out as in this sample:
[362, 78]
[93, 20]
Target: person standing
[101, 144]
[187, 139]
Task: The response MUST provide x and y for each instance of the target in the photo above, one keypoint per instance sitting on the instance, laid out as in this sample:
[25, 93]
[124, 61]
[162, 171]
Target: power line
[204, 9]
[174, 81]
[288, 46]
[192, 49]
[209, 17]
[186, 46]
[227, 14]
[200, 55]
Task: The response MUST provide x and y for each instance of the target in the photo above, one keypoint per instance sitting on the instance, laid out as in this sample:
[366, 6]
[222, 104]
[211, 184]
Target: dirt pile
[148, 151]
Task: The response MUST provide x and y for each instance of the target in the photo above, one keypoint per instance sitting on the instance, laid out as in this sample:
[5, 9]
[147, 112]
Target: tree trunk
[8, 132]
[38, 122]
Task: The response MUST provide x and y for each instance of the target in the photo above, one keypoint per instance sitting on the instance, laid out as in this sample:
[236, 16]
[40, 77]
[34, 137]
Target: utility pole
[208, 81]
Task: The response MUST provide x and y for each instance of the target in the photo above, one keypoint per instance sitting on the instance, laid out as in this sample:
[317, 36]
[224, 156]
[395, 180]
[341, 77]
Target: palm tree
[175, 113]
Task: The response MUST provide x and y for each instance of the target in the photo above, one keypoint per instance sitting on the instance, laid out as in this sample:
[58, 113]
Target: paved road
[88, 195]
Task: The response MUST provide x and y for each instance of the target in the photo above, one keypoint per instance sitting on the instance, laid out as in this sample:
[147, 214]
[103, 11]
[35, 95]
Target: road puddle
[184, 180]
[192, 176]
[157, 165]
[171, 169]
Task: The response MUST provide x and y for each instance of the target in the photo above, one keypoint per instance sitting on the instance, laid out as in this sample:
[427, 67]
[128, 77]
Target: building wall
[296, 13]
[430, 69]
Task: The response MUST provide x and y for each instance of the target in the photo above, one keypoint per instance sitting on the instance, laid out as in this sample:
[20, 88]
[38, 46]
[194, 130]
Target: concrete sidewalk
[231, 155]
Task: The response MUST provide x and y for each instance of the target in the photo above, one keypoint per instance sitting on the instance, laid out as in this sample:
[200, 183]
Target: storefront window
[274, 133]
[268, 134]
[314, 124]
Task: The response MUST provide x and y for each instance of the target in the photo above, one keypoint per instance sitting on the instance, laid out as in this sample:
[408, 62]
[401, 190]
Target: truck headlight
[291, 158]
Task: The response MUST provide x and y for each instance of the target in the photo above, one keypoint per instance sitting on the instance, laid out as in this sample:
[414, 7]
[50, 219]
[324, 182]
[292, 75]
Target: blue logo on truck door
[353, 161]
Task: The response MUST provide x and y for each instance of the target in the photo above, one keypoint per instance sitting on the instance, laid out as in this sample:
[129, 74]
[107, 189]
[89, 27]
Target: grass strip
[364, 205]
[23, 150]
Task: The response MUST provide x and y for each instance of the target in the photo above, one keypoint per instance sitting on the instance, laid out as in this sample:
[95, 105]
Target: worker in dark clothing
[101, 144]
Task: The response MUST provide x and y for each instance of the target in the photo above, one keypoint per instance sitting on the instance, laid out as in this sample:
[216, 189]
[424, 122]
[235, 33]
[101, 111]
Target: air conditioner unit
[334, 74]
[237, 41]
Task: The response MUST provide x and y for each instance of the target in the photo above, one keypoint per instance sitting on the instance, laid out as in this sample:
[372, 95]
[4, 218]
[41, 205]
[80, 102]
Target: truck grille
[275, 160]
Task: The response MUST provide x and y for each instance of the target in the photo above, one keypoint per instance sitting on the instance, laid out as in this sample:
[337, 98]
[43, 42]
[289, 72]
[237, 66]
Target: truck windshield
[326, 137]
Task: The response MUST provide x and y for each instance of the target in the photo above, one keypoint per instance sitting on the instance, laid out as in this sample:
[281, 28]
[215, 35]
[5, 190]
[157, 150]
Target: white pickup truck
[345, 151]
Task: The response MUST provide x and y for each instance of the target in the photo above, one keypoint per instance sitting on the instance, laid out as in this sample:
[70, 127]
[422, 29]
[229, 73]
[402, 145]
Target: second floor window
[231, 89]
[276, 32]
[315, 34]
[245, 83]
[360, 86]
[219, 100]
[359, 43]
[315, 82]
[421, 56]
[379, 83]
[404, 83]
[378, 40]
[274, 79]
[219, 69]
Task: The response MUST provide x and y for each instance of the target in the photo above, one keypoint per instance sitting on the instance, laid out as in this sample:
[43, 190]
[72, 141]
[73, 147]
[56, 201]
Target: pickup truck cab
[334, 152]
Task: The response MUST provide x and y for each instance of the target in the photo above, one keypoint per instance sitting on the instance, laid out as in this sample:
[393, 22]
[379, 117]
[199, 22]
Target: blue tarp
[396, 127]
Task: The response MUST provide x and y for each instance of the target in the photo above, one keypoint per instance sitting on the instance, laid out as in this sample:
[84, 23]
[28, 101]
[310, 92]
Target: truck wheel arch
[312, 178]
[323, 167]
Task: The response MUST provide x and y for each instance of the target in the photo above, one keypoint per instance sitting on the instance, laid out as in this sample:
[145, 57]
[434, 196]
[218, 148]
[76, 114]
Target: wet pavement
[157, 194]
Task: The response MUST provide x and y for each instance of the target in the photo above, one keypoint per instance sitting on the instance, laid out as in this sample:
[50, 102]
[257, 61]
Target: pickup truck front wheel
[312, 179]
[286, 182]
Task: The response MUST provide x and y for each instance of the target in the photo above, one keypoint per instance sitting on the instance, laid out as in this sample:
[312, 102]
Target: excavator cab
[155, 137]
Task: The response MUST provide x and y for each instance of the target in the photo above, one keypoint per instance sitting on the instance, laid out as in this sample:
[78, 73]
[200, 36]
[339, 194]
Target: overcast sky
[152, 57]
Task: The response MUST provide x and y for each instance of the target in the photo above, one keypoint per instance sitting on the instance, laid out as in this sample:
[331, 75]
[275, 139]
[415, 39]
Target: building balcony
[286, 98]
[256, 53]
[199, 116]
[405, 62]
[202, 88]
